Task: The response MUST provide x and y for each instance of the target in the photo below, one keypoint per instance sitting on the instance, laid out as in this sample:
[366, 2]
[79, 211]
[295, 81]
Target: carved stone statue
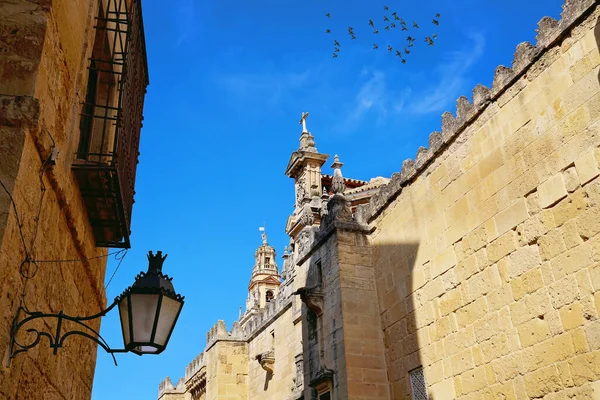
[303, 122]
[300, 190]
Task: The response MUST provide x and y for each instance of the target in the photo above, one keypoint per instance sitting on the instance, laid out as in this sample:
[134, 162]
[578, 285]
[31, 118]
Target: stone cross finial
[303, 122]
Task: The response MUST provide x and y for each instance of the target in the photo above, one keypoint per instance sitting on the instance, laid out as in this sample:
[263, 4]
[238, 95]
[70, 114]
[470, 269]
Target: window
[269, 296]
[267, 261]
[418, 385]
[325, 396]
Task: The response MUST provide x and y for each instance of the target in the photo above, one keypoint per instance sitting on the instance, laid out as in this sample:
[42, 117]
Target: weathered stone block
[556, 349]
[572, 261]
[543, 381]
[571, 316]
[502, 246]
[551, 245]
[587, 166]
[533, 331]
[552, 191]
[564, 291]
[527, 283]
[523, 260]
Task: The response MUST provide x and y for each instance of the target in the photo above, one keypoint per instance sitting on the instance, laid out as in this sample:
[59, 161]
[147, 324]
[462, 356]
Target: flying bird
[404, 28]
[336, 50]
[402, 60]
[387, 28]
[435, 36]
[395, 15]
[371, 23]
[386, 19]
[390, 48]
[437, 15]
[351, 33]
[436, 22]
[392, 25]
[398, 53]
[376, 31]
[327, 30]
[406, 51]
[415, 25]
[375, 47]
[328, 15]
[402, 21]
[429, 41]
[385, 8]
[336, 43]
[335, 55]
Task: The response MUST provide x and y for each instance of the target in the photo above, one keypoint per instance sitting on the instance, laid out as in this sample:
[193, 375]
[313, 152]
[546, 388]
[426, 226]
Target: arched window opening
[269, 296]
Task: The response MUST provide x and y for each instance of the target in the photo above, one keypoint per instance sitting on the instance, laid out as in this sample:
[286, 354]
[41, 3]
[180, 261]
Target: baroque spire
[337, 182]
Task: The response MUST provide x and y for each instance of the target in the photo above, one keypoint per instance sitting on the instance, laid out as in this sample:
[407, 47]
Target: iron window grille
[418, 385]
[111, 121]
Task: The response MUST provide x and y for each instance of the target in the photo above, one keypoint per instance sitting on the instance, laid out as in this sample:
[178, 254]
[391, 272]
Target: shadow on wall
[403, 313]
[268, 377]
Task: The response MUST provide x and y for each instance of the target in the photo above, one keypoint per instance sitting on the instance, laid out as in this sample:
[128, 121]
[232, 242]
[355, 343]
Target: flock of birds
[395, 22]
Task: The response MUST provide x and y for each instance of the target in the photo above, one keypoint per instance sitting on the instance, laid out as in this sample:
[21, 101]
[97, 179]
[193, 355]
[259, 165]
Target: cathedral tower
[265, 280]
[305, 168]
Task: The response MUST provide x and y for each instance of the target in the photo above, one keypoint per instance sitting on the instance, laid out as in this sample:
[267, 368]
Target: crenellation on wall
[548, 33]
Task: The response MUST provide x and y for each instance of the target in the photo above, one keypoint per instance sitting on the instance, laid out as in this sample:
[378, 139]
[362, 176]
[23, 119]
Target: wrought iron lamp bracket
[57, 338]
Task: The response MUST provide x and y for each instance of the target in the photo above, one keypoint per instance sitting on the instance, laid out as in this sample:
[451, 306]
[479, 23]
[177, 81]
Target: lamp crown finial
[155, 262]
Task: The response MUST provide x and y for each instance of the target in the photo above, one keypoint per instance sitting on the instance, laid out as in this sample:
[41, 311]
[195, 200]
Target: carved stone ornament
[313, 298]
[306, 217]
[338, 186]
[300, 190]
[323, 381]
[304, 242]
[267, 361]
[299, 379]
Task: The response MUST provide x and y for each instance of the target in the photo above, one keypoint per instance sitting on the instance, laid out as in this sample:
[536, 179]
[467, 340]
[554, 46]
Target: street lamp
[148, 311]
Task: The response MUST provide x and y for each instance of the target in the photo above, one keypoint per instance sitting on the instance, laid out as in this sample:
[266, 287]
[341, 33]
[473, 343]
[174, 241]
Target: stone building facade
[471, 274]
[72, 84]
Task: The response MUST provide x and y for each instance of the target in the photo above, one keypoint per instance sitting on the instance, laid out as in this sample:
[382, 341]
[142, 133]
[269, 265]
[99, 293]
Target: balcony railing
[111, 121]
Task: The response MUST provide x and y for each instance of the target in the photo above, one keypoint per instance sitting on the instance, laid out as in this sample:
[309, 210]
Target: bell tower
[265, 280]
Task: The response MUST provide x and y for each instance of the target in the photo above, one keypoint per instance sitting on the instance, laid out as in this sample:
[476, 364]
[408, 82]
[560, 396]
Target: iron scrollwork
[57, 339]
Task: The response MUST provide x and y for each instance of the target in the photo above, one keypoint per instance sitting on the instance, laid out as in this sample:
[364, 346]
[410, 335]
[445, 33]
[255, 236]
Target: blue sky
[228, 82]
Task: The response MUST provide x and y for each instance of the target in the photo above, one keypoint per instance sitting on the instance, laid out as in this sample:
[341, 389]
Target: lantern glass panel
[124, 313]
[143, 314]
[169, 311]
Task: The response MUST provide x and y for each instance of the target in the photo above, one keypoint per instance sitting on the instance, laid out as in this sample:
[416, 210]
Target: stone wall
[282, 337]
[227, 370]
[342, 330]
[45, 47]
[485, 248]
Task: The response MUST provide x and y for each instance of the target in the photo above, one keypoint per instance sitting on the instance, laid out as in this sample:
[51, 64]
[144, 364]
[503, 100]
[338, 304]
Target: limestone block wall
[42, 83]
[486, 247]
[365, 361]
[323, 336]
[282, 337]
[227, 370]
[343, 332]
